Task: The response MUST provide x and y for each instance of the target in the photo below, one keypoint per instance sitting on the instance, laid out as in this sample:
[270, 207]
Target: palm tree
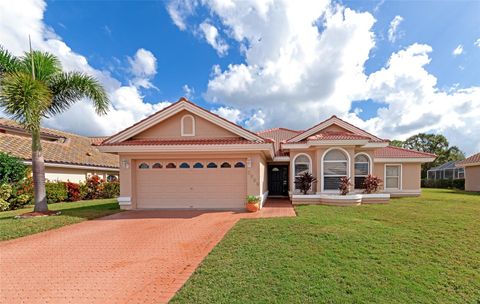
[33, 87]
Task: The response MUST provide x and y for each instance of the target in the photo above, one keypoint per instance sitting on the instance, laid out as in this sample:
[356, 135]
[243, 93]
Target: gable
[171, 128]
[333, 128]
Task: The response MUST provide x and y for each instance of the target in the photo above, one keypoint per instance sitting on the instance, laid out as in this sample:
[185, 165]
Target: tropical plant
[11, 169]
[305, 181]
[371, 184]
[252, 199]
[33, 87]
[344, 185]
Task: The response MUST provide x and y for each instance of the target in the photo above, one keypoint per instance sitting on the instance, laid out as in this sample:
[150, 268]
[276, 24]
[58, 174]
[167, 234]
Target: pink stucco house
[187, 157]
[472, 172]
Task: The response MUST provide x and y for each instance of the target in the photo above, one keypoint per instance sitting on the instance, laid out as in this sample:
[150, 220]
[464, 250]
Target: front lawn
[72, 213]
[413, 250]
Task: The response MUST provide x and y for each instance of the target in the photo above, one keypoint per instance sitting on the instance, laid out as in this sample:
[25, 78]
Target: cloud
[211, 35]
[231, 114]
[458, 50]
[127, 104]
[393, 33]
[257, 121]
[179, 10]
[477, 42]
[144, 67]
[188, 91]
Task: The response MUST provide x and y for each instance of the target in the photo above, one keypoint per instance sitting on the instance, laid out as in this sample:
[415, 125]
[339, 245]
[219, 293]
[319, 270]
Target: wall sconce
[249, 162]
[125, 164]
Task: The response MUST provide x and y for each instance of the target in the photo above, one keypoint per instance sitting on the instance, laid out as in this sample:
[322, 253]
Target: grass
[413, 250]
[11, 228]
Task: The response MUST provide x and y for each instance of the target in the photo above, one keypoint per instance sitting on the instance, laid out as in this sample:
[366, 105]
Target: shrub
[371, 184]
[11, 169]
[110, 189]
[5, 193]
[444, 183]
[252, 199]
[305, 181]
[73, 192]
[459, 184]
[93, 188]
[56, 192]
[345, 185]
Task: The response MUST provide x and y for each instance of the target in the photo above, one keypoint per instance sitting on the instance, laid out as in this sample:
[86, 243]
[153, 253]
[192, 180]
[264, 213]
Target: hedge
[444, 183]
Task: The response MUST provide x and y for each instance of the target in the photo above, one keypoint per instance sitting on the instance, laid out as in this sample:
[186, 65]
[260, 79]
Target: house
[187, 157]
[447, 170]
[68, 157]
[472, 172]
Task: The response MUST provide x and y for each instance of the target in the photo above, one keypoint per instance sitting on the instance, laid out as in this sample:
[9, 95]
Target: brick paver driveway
[129, 257]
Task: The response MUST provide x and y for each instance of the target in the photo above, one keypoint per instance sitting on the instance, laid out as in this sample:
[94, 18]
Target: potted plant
[345, 185]
[305, 181]
[253, 203]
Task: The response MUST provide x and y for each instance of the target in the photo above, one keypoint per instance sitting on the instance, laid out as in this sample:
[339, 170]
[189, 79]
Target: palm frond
[68, 88]
[8, 62]
[46, 65]
[24, 99]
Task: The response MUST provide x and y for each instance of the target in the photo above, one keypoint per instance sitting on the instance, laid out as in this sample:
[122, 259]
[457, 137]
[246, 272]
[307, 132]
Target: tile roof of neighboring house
[278, 135]
[168, 142]
[69, 149]
[474, 159]
[396, 152]
[97, 140]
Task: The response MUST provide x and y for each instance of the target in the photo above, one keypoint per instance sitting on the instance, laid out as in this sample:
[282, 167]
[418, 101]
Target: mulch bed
[36, 214]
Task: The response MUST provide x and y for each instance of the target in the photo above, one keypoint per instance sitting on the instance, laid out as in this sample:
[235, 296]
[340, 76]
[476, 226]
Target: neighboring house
[446, 171]
[187, 157]
[472, 172]
[68, 157]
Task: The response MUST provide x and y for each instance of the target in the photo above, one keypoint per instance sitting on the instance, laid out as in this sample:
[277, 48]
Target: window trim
[355, 162]
[143, 163]
[161, 166]
[168, 163]
[183, 133]
[322, 167]
[196, 163]
[239, 167]
[184, 163]
[293, 170]
[400, 177]
[212, 162]
[225, 162]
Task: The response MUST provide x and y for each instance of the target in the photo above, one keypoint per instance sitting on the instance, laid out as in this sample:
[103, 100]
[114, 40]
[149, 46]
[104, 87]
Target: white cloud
[393, 33]
[144, 67]
[477, 42]
[179, 11]
[188, 91]
[458, 50]
[257, 121]
[210, 33]
[231, 114]
[20, 19]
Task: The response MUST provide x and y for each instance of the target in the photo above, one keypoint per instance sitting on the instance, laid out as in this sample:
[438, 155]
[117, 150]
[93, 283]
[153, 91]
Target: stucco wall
[410, 172]
[472, 178]
[171, 129]
[73, 175]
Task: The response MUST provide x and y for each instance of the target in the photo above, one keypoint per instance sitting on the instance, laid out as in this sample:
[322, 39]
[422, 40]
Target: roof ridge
[416, 151]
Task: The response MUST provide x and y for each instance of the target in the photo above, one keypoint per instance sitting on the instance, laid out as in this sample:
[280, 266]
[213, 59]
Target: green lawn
[413, 250]
[72, 213]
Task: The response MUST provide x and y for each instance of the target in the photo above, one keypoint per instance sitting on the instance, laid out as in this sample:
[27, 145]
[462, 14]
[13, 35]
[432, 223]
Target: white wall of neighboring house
[76, 174]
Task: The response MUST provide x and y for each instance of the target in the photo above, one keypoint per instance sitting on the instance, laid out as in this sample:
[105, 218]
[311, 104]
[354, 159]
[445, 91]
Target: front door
[278, 180]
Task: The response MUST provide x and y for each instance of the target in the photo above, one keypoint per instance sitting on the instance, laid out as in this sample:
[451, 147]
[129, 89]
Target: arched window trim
[174, 164]
[183, 133]
[160, 166]
[184, 165]
[143, 166]
[198, 165]
[211, 167]
[293, 168]
[228, 165]
[239, 164]
[355, 162]
[323, 161]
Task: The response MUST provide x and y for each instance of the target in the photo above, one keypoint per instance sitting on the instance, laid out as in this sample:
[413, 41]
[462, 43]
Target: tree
[33, 87]
[396, 143]
[434, 143]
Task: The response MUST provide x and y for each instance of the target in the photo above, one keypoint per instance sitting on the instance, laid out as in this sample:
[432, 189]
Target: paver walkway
[129, 257]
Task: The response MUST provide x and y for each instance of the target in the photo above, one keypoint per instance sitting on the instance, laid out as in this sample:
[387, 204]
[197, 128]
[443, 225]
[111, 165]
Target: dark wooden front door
[278, 180]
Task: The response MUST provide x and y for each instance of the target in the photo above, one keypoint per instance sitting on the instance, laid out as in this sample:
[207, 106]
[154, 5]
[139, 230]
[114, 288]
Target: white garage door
[211, 184]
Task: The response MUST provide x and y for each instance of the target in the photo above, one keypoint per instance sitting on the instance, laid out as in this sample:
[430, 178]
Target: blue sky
[273, 69]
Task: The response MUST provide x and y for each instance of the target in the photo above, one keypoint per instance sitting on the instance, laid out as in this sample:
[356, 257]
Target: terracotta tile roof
[337, 136]
[97, 140]
[278, 135]
[68, 149]
[396, 152]
[168, 142]
[475, 158]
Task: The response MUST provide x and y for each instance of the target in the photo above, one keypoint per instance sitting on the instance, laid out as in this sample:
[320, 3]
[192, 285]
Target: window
[143, 166]
[239, 165]
[335, 165]
[198, 165]
[212, 165]
[184, 166]
[188, 125]
[111, 178]
[392, 176]
[301, 165]
[461, 173]
[170, 166]
[225, 165]
[362, 169]
[448, 174]
[157, 166]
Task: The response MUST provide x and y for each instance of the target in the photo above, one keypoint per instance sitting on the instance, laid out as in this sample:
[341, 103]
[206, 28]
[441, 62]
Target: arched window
[302, 164]
[157, 166]
[239, 165]
[170, 166]
[184, 166]
[112, 178]
[225, 165]
[335, 166]
[188, 125]
[362, 169]
[143, 166]
[212, 165]
[198, 165]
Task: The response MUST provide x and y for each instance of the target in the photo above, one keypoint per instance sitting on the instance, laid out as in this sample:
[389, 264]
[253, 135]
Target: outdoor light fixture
[125, 163]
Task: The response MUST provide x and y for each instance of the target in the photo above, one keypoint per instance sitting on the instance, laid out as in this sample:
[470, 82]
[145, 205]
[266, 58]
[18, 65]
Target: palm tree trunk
[38, 170]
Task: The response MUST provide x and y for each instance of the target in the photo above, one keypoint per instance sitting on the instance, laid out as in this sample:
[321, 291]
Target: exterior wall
[410, 181]
[73, 175]
[171, 129]
[333, 128]
[472, 178]
[256, 173]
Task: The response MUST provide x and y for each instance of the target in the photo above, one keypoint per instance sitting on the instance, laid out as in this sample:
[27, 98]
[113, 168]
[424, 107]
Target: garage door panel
[203, 188]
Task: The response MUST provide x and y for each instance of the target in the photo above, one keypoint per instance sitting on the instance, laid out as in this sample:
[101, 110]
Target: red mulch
[35, 214]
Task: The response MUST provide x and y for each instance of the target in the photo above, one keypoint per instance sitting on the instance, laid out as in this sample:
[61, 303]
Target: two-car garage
[186, 184]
